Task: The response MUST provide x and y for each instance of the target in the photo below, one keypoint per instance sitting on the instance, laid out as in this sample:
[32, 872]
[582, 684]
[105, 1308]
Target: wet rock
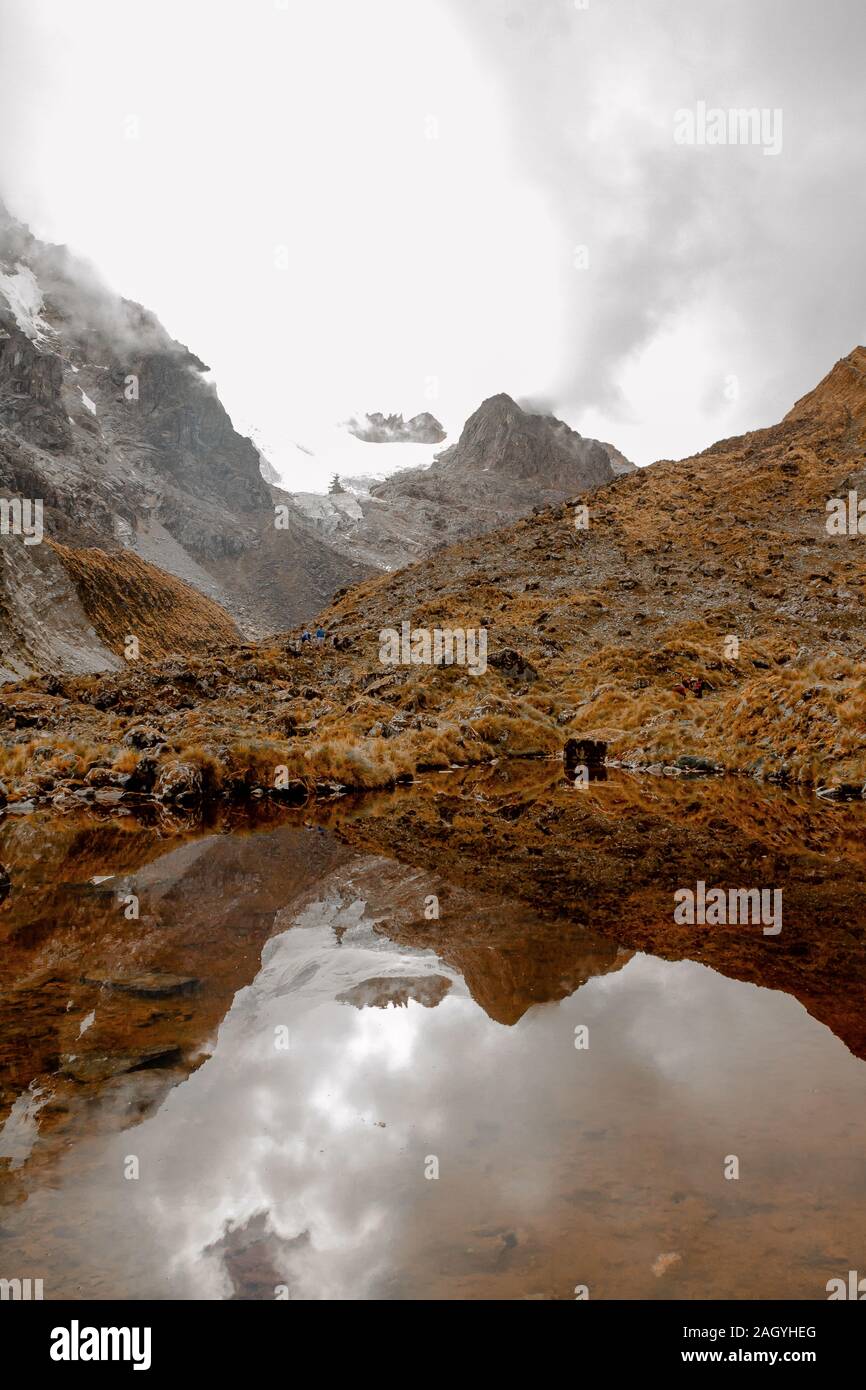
[143, 778]
[295, 792]
[843, 791]
[325, 789]
[106, 777]
[585, 752]
[180, 783]
[151, 985]
[691, 763]
[5, 884]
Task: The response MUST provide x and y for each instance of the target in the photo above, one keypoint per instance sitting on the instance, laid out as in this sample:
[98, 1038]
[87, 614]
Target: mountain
[719, 566]
[506, 462]
[118, 430]
[393, 429]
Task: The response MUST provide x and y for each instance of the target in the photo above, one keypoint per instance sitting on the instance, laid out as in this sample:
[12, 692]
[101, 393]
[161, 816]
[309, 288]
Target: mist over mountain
[119, 431]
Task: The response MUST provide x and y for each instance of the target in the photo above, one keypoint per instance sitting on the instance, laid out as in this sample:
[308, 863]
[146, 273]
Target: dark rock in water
[382, 990]
[153, 985]
[513, 665]
[585, 752]
[180, 783]
[142, 779]
[843, 791]
[5, 884]
[295, 792]
[695, 764]
[328, 789]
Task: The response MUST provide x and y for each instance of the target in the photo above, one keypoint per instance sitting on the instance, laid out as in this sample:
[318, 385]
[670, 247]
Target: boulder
[179, 783]
[143, 736]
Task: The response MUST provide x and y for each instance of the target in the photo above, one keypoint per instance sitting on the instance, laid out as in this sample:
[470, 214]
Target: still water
[262, 1087]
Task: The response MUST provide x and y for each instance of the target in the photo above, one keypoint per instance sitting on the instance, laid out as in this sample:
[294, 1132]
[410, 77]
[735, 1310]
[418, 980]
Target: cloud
[756, 265]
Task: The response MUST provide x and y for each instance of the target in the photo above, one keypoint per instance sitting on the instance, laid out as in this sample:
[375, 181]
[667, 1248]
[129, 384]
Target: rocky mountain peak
[841, 393]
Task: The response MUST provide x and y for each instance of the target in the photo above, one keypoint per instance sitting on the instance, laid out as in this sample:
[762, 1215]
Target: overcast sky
[380, 204]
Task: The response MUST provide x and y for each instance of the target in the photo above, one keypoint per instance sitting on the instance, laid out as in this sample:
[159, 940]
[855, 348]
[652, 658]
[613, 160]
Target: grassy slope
[676, 560]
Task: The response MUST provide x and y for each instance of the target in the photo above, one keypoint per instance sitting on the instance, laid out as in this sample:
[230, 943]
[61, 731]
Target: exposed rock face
[506, 462]
[393, 429]
[116, 428]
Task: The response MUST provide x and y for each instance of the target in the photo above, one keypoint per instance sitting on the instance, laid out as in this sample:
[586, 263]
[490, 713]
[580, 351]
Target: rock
[3, 795]
[694, 764]
[106, 777]
[585, 752]
[143, 736]
[144, 776]
[843, 791]
[152, 985]
[180, 783]
[295, 792]
[513, 665]
[5, 884]
[324, 789]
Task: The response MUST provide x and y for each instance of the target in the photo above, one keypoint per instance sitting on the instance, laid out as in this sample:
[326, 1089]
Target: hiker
[306, 636]
[320, 634]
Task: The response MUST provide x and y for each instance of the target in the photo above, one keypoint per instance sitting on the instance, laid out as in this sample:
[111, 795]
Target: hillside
[718, 566]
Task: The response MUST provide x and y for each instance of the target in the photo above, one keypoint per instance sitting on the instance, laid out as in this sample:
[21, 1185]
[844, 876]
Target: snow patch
[24, 297]
[87, 401]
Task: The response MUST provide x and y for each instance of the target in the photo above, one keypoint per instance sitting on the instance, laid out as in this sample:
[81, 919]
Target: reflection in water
[282, 1116]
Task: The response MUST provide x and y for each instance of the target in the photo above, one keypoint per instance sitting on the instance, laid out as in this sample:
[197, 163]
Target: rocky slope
[506, 462]
[117, 428]
[718, 567]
